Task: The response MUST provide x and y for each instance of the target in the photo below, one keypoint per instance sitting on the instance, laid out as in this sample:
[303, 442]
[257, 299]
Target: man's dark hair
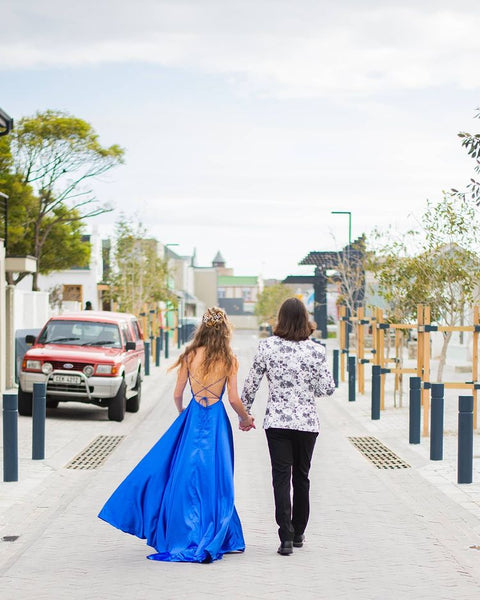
[293, 322]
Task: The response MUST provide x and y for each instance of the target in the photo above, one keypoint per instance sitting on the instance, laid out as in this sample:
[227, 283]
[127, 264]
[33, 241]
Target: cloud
[272, 48]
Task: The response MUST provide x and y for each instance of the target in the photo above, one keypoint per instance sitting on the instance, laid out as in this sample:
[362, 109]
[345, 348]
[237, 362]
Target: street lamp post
[166, 258]
[346, 275]
[346, 212]
[7, 338]
[4, 210]
[166, 246]
[6, 126]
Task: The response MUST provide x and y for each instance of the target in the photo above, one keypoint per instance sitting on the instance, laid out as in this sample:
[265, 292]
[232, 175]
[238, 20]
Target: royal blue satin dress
[180, 496]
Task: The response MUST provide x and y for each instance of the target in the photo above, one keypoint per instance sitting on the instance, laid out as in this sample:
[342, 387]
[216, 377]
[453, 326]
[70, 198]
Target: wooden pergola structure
[323, 262]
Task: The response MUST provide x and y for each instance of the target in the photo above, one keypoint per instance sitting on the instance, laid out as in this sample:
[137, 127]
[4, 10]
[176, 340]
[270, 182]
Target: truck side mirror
[30, 339]
[130, 346]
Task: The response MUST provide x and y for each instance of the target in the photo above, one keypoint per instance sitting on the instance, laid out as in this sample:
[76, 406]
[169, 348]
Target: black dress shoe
[298, 540]
[285, 548]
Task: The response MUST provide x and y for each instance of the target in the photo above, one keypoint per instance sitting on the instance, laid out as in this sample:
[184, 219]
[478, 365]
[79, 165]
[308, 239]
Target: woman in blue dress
[180, 496]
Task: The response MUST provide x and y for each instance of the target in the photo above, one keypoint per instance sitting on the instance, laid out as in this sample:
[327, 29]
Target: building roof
[331, 259]
[218, 259]
[299, 279]
[324, 260]
[237, 280]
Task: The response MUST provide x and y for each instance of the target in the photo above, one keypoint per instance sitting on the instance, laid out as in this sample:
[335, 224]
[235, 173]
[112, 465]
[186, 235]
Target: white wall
[30, 309]
[3, 344]
[179, 271]
[87, 278]
[190, 280]
[206, 285]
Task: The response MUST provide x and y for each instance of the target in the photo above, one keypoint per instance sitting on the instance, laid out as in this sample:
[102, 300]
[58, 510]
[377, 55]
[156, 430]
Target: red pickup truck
[92, 357]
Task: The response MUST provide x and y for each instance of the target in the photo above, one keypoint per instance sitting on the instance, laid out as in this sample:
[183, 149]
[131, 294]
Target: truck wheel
[116, 408]
[25, 402]
[133, 403]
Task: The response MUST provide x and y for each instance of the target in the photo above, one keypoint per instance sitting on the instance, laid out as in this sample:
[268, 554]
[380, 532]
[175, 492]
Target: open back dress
[180, 496]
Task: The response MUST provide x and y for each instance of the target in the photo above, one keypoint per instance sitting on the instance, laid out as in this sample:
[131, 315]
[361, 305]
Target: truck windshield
[80, 333]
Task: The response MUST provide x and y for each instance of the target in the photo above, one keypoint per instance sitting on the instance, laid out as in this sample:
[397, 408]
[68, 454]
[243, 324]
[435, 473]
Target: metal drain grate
[96, 453]
[376, 452]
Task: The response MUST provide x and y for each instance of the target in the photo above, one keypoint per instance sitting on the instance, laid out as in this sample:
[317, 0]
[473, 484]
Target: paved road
[373, 534]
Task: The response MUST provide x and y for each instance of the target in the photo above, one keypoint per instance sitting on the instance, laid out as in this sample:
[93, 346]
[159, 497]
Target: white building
[72, 288]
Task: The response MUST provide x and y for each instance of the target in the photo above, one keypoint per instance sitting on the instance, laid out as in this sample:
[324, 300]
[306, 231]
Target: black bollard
[465, 439]
[415, 410]
[157, 351]
[336, 355]
[179, 336]
[10, 437]
[436, 422]
[352, 367]
[147, 358]
[166, 343]
[161, 338]
[39, 401]
[376, 391]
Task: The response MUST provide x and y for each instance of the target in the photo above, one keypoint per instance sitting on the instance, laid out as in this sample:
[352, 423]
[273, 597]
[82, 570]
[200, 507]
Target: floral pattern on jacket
[297, 374]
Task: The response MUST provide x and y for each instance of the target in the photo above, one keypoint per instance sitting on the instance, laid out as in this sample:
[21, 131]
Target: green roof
[234, 280]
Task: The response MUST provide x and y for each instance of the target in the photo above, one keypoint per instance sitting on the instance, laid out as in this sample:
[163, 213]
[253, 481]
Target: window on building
[221, 292]
[247, 293]
[72, 293]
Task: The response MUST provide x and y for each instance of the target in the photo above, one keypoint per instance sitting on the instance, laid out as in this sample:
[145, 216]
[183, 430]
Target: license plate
[66, 379]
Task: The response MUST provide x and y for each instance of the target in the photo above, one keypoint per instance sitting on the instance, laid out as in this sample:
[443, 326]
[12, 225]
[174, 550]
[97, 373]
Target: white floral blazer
[297, 373]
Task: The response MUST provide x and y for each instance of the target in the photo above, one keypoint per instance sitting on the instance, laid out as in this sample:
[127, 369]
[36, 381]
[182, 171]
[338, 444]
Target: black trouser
[290, 454]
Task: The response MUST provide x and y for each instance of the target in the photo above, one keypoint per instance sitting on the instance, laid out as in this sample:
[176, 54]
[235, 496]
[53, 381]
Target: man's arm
[325, 384]
[253, 379]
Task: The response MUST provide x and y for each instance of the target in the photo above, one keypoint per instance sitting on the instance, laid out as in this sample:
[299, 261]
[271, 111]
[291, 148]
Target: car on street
[265, 330]
[87, 356]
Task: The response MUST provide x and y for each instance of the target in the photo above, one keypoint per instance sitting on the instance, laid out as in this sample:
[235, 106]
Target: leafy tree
[444, 272]
[54, 157]
[21, 202]
[471, 142]
[63, 246]
[59, 154]
[350, 271]
[270, 300]
[138, 277]
[394, 262]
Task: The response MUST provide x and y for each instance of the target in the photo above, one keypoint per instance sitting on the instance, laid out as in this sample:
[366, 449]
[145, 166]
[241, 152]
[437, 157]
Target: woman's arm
[182, 378]
[246, 420]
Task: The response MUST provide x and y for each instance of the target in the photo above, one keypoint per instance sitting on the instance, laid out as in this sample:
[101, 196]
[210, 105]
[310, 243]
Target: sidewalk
[393, 430]
[373, 534]
[45, 485]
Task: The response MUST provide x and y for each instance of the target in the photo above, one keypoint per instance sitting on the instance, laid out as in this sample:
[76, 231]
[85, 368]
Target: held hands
[247, 423]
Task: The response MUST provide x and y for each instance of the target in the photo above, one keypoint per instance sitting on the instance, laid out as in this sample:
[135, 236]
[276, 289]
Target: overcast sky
[246, 122]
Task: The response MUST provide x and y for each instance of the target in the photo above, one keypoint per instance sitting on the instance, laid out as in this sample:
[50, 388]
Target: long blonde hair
[213, 334]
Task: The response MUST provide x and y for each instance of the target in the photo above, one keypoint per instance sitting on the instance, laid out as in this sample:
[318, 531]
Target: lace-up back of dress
[207, 394]
[205, 389]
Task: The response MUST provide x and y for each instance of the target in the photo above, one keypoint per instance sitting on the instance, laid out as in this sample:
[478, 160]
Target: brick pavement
[373, 534]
